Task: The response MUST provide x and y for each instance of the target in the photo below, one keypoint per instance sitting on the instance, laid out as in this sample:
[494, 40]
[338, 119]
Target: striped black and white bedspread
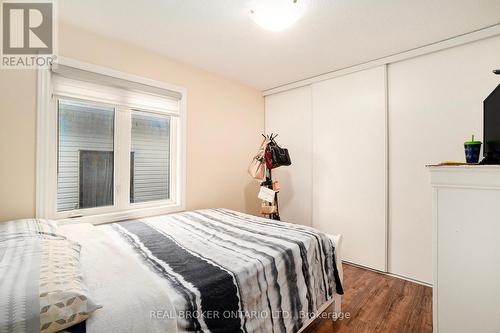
[232, 272]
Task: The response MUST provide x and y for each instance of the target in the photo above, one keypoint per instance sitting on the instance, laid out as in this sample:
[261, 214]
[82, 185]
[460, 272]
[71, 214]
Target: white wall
[290, 115]
[435, 104]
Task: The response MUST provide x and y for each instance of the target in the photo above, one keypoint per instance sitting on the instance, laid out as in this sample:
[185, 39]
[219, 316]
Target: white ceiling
[219, 36]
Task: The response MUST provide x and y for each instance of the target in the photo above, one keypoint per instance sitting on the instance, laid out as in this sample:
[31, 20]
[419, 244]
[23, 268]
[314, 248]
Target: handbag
[266, 209]
[276, 156]
[268, 157]
[257, 169]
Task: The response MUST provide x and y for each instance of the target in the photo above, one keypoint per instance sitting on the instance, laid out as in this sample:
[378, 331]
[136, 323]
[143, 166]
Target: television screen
[492, 122]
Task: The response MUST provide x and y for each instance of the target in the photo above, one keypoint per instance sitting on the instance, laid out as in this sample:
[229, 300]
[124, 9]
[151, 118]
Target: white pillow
[42, 289]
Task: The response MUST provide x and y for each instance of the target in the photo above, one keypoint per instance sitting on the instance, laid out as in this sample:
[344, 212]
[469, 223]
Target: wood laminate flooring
[379, 303]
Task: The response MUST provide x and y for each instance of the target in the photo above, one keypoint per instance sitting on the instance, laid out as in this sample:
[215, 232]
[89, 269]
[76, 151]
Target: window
[85, 158]
[117, 141]
[150, 157]
[96, 179]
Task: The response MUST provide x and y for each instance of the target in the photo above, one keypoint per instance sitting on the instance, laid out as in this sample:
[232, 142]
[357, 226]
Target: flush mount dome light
[277, 15]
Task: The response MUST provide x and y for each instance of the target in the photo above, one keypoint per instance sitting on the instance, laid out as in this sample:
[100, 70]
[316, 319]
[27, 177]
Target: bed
[212, 270]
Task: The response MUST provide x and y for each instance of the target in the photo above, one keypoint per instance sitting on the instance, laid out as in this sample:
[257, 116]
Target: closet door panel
[289, 115]
[435, 104]
[350, 164]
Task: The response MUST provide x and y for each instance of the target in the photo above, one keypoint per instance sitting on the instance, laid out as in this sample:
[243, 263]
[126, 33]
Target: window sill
[123, 215]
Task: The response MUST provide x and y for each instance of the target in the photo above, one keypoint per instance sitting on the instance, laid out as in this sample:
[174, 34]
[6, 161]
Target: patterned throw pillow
[17, 229]
[42, 288]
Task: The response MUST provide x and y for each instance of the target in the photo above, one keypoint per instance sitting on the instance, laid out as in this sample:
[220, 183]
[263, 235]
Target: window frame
[47, 153]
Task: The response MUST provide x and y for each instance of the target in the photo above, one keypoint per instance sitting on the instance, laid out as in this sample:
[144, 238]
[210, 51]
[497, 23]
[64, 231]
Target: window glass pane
[150, 157]
[85, 155]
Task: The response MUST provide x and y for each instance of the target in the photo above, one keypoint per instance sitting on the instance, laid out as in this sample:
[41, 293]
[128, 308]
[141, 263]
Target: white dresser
[466, 248]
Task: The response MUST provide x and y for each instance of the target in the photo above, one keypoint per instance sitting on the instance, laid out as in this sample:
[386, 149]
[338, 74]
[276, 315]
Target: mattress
[211, 270]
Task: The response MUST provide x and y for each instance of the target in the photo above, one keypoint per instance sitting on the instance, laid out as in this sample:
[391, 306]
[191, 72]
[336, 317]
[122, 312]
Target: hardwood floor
[379, 303]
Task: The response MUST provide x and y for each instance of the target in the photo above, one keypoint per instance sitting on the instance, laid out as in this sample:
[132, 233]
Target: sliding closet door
[289, 114]
[435, 104]
[350, 164]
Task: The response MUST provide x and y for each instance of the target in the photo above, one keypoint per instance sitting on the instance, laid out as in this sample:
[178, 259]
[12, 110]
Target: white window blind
[80, 84]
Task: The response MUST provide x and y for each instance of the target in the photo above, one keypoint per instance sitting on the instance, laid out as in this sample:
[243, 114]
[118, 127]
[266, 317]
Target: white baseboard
[389, 274]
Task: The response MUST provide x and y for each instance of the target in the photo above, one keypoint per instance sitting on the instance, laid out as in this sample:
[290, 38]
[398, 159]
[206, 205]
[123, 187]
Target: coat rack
[269, 184]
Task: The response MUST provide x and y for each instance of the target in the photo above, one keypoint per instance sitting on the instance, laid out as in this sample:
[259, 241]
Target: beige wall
[225, 120]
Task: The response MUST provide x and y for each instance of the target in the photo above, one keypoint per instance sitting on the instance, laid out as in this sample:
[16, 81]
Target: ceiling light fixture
[277, 15]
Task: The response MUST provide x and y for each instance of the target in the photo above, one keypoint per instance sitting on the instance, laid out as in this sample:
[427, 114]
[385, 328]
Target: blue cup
[472, 151]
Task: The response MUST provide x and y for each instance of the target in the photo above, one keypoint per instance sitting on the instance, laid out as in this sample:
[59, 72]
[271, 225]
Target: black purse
[280, 156]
